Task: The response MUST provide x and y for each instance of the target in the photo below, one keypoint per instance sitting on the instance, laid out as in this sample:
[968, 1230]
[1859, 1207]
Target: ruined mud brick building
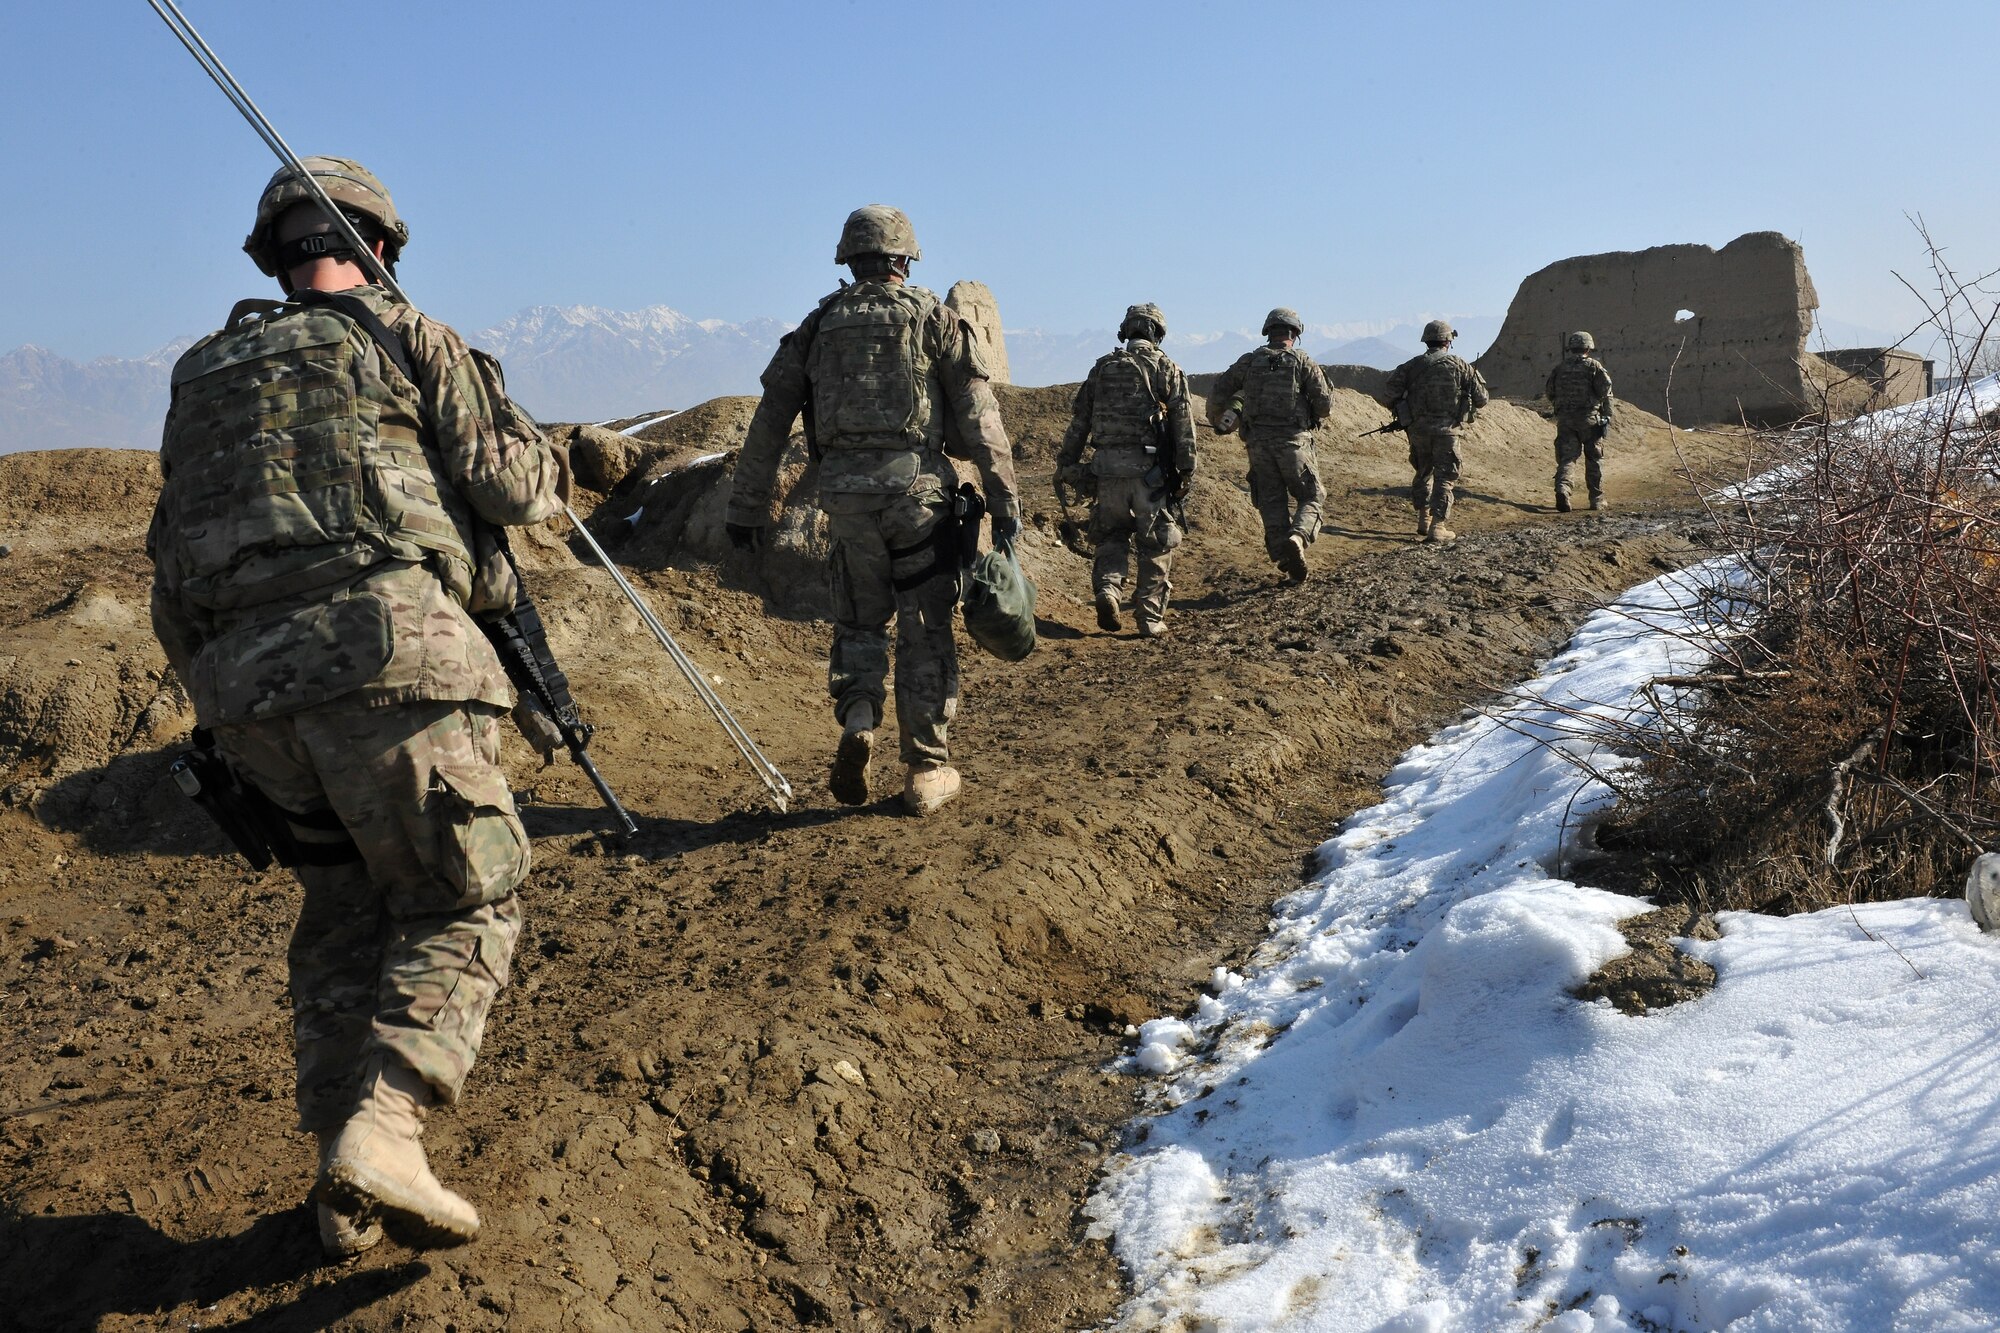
[1721, 332]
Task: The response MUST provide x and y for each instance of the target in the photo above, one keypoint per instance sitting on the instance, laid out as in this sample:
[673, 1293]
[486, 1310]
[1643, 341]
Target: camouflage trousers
[1285, 470]
[401, 949]
[873, 549]
[1132, 514]
[1574, 442]
[1434, 459]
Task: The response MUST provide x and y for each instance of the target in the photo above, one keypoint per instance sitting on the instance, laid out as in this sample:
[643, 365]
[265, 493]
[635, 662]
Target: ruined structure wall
[1737, 353]
[975, 305]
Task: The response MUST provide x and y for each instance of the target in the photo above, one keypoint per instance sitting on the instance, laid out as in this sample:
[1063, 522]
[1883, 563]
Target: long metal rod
[781, 790]
[211, 64]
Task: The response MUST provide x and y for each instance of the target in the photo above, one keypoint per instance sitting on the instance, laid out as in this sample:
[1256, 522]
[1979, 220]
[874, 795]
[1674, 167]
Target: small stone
[984, 1141]
[846, 1071]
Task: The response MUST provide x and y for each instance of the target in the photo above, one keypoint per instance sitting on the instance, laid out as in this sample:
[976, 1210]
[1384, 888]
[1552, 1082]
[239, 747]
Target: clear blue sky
[1357, 162]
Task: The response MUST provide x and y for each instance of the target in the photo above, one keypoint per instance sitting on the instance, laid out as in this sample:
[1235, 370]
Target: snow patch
[1396, 1117]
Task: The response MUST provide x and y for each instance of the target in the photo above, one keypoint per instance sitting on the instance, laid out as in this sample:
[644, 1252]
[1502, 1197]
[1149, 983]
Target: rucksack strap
[358, 310]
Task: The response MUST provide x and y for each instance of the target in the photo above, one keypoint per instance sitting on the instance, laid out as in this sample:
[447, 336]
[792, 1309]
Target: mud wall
[975, 305]
[1727, 326]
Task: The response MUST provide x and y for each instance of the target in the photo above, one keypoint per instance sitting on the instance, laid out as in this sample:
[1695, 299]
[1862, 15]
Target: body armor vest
[1573, 386]
[1124, 404]
[298, 459]
[869, 371]
[1271, 394]
[1438, 392]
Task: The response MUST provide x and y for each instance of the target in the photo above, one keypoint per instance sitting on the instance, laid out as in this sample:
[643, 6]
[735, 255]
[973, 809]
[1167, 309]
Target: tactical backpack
[1271, 394]
[870, 377]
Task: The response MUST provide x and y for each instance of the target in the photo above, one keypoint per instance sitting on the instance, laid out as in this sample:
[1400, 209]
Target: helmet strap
[304, 250]
[867, 267]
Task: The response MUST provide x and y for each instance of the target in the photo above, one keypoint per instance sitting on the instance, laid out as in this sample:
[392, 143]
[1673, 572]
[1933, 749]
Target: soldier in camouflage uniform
[1133, 412]
[1435, 396]
[1279, 396]
[890, 378]
[325, 532]
[1579, 392]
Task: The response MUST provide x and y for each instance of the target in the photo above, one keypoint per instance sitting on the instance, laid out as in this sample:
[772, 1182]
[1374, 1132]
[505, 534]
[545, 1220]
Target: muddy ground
[833, 1067]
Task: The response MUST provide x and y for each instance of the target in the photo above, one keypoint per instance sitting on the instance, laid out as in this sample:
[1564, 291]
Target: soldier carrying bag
[998, 598]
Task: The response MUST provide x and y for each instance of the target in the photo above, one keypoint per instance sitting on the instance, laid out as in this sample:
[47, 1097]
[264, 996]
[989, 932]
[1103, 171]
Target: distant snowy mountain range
[585, 363]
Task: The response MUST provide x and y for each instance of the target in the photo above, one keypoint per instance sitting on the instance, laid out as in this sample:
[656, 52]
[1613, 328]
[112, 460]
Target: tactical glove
[538, 728]
[1072, 474]
[565, 478]
[745, 536]
[1005, 530]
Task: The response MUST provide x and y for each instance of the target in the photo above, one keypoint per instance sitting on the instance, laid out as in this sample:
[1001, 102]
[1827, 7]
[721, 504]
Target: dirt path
[832, 1067]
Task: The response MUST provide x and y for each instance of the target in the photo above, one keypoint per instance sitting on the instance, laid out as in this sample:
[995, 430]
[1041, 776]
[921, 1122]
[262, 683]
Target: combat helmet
[1281, 318]
[876, 229]
[353, 188]
[1437, 333]
[1579, 342]
[1143, 313]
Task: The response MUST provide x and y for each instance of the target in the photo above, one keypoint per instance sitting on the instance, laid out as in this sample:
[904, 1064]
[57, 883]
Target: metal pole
[211, 64]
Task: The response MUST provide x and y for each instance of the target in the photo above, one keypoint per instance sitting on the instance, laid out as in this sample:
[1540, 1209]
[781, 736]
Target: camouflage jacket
[1579, 389]
[1122, 432]
[1311, 399]
[322, 527]
[952, 411]
[1436, 392]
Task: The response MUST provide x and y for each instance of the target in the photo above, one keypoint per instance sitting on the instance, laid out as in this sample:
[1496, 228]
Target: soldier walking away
[1279, 397]
[1133, 413]
[1579, 393]
[1435, 396]
[888, 376]
[337, 468]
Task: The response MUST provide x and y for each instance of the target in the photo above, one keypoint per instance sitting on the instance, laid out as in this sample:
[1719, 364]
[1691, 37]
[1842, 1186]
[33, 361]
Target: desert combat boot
[1292, 558]
[1108, 607]
[929, 788]
[342, 1235]
[1440, 534]
[848, 779]
[1423, 523]
[376, 1165]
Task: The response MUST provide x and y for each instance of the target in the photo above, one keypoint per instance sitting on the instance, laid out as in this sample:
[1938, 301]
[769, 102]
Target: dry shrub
[1844, 748]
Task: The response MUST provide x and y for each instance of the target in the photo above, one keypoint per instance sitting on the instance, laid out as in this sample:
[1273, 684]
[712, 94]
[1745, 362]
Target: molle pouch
[1121, 461]
[481, 849]
[1167, 534]
[869, 471]
[293, 662]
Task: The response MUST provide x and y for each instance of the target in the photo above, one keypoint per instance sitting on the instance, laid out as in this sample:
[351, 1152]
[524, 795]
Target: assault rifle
[523, 644]
[364, 254]
[1386, 428]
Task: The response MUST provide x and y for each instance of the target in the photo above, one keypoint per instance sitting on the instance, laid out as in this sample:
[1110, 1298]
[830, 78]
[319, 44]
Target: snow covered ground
[1397, 1119]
